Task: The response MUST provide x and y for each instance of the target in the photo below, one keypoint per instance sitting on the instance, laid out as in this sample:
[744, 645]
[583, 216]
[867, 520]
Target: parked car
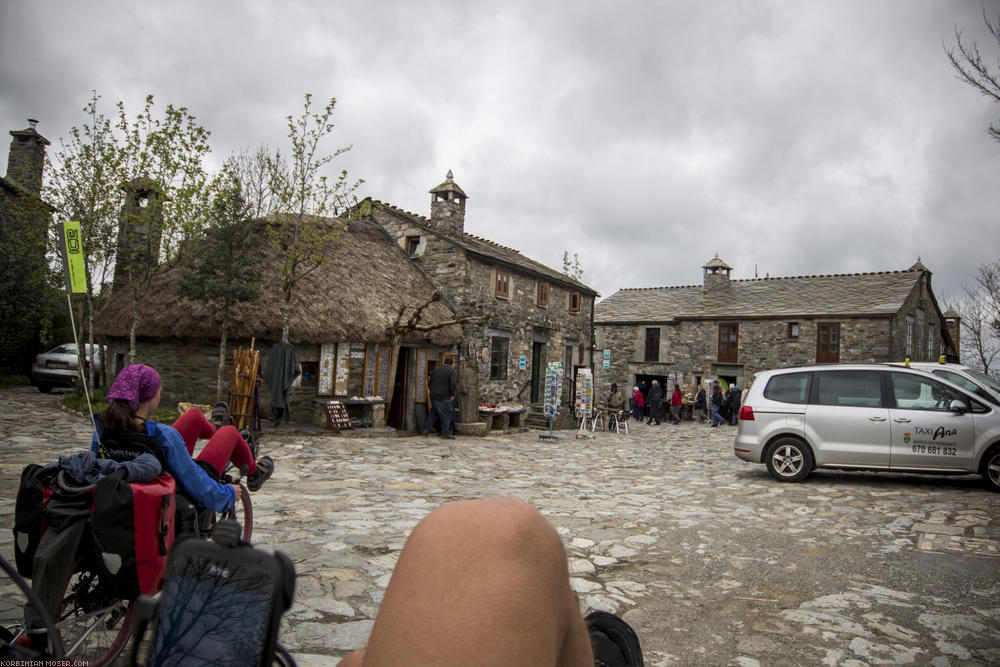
[58, 367]
[975, 381]
[867, 417]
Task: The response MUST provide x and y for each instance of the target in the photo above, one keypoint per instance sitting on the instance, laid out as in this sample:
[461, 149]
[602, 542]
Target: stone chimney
[448, 206]
[715, 273]
[26, 158]
[139, 231]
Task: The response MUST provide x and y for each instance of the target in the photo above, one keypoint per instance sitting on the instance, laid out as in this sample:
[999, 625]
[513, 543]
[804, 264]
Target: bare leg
[480, 582]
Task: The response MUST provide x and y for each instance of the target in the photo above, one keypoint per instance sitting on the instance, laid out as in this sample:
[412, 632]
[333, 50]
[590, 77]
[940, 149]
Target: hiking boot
[220, 414]
[613, 641]
[265, 467]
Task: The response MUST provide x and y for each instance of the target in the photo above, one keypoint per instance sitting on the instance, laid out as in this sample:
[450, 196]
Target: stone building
[538, 315]
[731, 329]
[343, 316]
[24, 224]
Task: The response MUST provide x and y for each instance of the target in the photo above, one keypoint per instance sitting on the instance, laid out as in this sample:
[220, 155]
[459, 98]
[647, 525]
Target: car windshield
[63, 349]
[984, 378]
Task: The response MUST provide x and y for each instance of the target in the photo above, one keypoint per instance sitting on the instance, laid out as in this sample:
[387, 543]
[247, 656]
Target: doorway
[396, 415]
[537, 371]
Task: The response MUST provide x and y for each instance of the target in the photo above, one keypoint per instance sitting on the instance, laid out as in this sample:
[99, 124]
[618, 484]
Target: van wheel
[790, 460]
[991, 468]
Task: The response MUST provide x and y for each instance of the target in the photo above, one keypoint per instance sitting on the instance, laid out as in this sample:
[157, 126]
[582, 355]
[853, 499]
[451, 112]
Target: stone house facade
[732, 329]
[537, 314]
[24, 225]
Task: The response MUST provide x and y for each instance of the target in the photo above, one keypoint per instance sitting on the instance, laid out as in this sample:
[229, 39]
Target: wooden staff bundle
[241, 399]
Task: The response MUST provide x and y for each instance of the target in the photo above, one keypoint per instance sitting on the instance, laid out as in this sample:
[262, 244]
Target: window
[729, 341]
[412, 243]
[793, 329]
[498, 358]
[502, 286]
[652, 344]
[574, 302]
[790, 388]
[931, 344]
[916, 393]
[850, 388]
[543, 294]
[828, 342]
[909, 336]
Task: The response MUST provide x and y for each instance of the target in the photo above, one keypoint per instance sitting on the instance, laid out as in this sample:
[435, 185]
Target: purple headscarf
[136, 384]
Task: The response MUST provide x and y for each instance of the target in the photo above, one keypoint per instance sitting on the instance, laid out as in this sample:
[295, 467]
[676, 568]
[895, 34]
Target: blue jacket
[193, 480]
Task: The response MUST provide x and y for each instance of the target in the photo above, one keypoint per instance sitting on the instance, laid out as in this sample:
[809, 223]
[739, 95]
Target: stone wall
[690, 348]
[468, 282]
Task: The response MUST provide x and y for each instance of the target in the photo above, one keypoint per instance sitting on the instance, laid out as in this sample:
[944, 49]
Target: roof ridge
[401, 210]
[824, 275]
[492, 243]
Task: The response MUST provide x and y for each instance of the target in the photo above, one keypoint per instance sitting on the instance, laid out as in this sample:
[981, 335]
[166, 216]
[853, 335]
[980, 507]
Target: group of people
[725, 405]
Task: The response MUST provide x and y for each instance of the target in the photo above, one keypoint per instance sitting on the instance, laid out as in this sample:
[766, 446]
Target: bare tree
[968, 63]
[979, 342]
[407, 324]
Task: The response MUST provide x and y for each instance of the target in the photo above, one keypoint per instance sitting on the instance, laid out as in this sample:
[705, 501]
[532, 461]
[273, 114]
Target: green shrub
[14, 380]
[77, 402]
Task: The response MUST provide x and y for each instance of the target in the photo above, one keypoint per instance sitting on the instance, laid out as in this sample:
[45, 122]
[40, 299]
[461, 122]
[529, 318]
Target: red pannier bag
[133, 528]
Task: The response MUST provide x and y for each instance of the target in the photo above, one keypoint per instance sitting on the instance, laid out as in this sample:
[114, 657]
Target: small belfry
[448, 206]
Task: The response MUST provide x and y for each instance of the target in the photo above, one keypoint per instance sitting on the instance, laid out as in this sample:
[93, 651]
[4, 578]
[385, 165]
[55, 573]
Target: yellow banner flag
[73, 265]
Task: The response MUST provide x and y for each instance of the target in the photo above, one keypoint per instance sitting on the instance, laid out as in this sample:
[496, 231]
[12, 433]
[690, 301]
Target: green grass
[77, 402]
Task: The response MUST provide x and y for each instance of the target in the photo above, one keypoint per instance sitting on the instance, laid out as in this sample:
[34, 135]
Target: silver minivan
[866, 417]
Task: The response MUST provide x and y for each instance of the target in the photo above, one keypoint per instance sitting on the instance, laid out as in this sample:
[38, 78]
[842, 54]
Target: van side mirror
[958, 406]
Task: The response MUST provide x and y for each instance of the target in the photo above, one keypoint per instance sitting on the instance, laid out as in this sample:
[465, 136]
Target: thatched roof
[354, 296]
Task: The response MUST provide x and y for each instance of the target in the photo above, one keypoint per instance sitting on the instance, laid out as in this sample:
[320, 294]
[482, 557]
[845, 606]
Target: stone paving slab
[708, 558]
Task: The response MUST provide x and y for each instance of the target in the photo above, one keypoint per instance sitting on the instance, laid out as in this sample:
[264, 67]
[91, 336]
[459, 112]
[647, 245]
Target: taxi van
[867, 417]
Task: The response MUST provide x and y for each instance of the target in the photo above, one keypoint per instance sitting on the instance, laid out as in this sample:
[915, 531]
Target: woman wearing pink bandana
[133, 398]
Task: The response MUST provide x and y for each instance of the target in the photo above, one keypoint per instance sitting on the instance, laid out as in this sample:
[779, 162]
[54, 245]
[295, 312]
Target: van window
[965, 382]
[912, 392]
[788, 388]
[850, 388]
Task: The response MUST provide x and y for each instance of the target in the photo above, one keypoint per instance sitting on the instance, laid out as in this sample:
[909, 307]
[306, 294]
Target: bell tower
[448, 206]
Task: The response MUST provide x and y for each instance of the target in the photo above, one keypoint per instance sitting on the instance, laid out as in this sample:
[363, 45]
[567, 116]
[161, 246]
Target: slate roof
[488, 249]
[878, 294]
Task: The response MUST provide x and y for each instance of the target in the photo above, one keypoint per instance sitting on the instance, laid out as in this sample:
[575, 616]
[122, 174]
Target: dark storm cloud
[790, 138]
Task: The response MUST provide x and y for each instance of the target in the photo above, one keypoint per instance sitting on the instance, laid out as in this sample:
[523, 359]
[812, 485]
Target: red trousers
[223, 446]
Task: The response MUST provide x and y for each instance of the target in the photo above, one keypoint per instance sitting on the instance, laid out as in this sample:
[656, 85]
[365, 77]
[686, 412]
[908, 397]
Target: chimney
[139, 231]
[715, 273]
[448, 206]
[26, 158]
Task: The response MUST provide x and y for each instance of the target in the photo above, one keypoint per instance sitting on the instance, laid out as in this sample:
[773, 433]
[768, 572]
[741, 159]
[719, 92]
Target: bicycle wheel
[242, 512]
[93, 624]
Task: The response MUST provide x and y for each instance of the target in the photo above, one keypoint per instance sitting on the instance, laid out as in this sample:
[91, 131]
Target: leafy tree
[88, 180]
[303, 195]
[220, 267]
[970, 68]
[572, 268]
[167, 151]
[83, 185]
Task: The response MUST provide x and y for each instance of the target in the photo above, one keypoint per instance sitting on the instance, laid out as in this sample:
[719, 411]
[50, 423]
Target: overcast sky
[791, 138]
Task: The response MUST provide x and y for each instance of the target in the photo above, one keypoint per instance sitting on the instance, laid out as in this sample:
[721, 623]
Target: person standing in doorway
[443, 385]
[733, 403]
[653, 398]
[637, 403]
